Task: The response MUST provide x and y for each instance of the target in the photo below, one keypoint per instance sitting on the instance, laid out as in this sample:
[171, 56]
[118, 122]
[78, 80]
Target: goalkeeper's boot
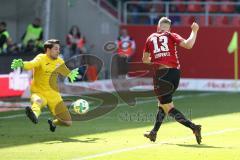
[30, 114]
[197, 133]
[52, 126]
[151, 135]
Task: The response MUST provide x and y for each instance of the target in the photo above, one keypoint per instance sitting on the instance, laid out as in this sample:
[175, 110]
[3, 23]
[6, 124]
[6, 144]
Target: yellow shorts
[52, 100]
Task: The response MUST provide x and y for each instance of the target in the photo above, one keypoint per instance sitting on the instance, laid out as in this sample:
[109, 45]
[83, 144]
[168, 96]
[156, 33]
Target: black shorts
[165, 83]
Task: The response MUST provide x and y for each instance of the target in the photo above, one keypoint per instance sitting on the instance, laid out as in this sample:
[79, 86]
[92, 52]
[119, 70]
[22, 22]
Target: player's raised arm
[188, 43]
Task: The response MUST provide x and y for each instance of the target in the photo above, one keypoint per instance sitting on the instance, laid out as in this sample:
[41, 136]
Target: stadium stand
[218, 12]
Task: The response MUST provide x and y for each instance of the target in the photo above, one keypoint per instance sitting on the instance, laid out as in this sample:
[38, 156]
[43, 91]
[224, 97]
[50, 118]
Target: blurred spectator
[75, 41]
[153, 16]
[5, 40]
[134, 14]
[126, 48]
[145, 7]
[176, 20]
[32, 39]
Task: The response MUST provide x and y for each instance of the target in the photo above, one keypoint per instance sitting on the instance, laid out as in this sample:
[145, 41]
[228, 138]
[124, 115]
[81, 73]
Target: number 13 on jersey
[160, 44]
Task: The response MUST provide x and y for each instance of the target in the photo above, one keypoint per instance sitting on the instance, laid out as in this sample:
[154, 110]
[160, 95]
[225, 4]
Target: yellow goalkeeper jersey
[45, 73]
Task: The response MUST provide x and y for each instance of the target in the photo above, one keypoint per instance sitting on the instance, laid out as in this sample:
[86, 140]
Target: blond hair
[163, 20]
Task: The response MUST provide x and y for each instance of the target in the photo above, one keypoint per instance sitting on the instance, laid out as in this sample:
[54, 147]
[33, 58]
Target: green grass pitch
[118, 135]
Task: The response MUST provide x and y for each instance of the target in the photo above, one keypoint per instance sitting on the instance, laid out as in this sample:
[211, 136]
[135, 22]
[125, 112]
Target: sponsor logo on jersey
[162, 54]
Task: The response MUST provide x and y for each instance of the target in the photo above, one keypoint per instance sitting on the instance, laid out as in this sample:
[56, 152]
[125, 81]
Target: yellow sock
[57, 122]
[36, 109]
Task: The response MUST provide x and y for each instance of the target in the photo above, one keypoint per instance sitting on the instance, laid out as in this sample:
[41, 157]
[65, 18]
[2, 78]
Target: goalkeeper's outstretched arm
[27, 65]
[71, 74]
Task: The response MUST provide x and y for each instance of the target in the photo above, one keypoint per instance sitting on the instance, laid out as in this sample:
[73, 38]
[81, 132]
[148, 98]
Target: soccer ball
[80, 106]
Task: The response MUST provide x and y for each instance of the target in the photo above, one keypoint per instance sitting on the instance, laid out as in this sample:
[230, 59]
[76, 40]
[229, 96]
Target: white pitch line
[155, 144]
[123, 104]
[19, 115]
[12, 116]
[174, 98]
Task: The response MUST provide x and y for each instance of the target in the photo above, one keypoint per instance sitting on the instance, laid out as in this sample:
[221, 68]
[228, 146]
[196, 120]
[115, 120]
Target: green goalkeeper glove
[17, 63]
[73, 75]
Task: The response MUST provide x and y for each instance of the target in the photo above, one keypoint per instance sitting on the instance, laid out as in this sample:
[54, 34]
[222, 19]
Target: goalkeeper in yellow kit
[44, 91]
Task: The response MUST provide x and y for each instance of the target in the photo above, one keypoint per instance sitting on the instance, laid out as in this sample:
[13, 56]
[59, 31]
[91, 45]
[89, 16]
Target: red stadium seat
[227, 8]
[180, 7]
[221, 21]
[202, 20]
[213, 7]
[195, 7]
[235, 21]
[187, 20]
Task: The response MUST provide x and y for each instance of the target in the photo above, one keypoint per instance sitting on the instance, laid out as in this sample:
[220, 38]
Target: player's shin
[36, 108]
[56, 122]
[159, 119]
[63, 119]
[179, 117]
